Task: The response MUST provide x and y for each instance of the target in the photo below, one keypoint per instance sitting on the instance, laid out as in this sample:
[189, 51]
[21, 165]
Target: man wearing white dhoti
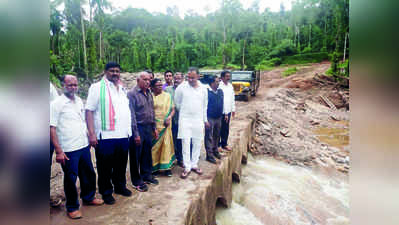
[191, 99]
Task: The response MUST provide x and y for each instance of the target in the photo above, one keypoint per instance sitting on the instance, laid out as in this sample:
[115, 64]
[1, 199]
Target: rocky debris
[284, 129]
[328, 102]
[129, 80]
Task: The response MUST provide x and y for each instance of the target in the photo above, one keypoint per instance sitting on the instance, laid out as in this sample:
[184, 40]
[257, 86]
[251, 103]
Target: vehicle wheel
[247, 96]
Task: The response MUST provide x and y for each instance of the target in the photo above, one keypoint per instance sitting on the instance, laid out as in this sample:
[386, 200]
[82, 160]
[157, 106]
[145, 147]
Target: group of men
[120, 123]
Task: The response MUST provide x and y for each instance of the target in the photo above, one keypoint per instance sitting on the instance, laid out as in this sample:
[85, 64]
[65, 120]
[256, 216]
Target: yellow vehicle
[245, 83]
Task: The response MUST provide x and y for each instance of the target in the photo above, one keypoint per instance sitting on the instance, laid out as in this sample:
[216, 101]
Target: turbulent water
[272, 192]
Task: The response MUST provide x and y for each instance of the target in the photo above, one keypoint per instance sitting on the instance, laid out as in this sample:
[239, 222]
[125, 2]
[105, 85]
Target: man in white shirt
[54, 202]
[53, 96]
[69, 135]
[191, 99]
[229, 108]
[108, 122]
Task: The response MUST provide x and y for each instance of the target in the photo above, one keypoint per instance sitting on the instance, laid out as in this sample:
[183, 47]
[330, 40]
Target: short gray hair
[193, 69]
[143, 73]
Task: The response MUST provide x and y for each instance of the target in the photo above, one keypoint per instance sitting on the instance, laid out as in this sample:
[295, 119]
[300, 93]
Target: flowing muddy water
[273, 192]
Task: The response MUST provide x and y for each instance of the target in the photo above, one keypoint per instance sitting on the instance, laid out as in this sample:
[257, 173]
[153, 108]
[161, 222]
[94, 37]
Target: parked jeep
[245, 83]
[205, 74]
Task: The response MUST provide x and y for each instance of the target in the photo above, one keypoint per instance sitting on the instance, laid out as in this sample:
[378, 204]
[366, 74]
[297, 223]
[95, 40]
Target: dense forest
[86, 34]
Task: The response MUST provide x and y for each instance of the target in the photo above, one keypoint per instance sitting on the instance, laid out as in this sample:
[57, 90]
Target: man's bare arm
[90, 128]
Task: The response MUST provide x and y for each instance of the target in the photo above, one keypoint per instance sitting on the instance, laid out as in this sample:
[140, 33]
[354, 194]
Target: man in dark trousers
[108, 123]
[177, 80]
[214, 113]
[229, 108]
[144, 131]
[69, 136]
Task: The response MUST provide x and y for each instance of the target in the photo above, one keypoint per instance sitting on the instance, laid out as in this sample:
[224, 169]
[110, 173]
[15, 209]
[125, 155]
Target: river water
[273, 192]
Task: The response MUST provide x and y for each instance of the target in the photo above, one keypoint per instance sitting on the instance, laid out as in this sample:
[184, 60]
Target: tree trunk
[299, 38]
[337, 38]
[224, 38]
[224, 45]
[346, 36]
[84, 44]
[100, 45]
[78, 53]
[91, 16]
[243, 53]
[325, 32]
[310, 34]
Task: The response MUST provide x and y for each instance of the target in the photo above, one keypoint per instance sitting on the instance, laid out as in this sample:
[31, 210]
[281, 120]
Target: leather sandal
[227, 148]
[197, 171]
[185, 174]
[75, 214]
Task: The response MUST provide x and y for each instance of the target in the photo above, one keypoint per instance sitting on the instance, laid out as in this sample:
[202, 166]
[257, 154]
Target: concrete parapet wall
[202, 209]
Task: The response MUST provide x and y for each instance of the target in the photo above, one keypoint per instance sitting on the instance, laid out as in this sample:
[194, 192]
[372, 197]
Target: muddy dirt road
[295, 124]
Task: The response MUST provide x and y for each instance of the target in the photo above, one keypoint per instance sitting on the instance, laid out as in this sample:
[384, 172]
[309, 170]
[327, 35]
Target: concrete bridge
[176, 201]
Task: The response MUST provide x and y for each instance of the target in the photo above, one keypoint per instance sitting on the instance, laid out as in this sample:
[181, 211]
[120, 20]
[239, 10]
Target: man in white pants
[191, 99]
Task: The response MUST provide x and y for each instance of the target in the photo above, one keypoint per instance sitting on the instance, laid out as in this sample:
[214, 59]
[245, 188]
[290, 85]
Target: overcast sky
[199, 6]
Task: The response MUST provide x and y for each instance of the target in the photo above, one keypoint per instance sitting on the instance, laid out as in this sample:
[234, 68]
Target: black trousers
[78, 165]
[177, 143]
[224, 131]
[212, 135]
[111, 156]
[141, 156]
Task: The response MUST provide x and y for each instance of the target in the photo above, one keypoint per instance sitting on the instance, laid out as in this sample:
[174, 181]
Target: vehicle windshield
[209, 73]
[241, 76]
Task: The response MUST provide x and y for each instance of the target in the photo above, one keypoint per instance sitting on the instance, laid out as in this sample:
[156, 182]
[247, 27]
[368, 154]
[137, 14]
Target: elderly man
[177, 80]
[168, 75]
[108, 123]
[54, 202]
[229, 108]
[144, 131]
[151, 73]
[191, 100]
[69, 136]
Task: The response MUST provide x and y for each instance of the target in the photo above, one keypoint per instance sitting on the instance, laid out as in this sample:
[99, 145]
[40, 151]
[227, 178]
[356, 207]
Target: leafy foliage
[230, 37]
[289, 71]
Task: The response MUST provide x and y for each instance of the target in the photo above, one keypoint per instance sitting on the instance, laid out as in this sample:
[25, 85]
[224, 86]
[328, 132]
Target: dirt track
[295, 125]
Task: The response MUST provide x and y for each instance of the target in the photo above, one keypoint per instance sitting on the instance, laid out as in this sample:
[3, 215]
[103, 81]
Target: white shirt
[192, 104]
[68, 118]
[229, 104]
[121, 107]
[53, 93]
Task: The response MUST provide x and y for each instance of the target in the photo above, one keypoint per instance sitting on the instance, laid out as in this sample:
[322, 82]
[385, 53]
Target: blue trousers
[78, 165]
[111, 156]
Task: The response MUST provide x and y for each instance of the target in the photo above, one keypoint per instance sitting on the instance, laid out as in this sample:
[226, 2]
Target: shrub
[286, 47]
[339, 68]
[233, 66]
[289, 71]
[268, 64]
[263, 67]
[305, 58]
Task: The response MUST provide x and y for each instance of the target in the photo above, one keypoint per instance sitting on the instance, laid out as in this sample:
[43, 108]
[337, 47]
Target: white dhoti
[192, 104]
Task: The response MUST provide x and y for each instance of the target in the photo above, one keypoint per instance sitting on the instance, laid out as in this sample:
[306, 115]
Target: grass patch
[305, 58]
[289, 71]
